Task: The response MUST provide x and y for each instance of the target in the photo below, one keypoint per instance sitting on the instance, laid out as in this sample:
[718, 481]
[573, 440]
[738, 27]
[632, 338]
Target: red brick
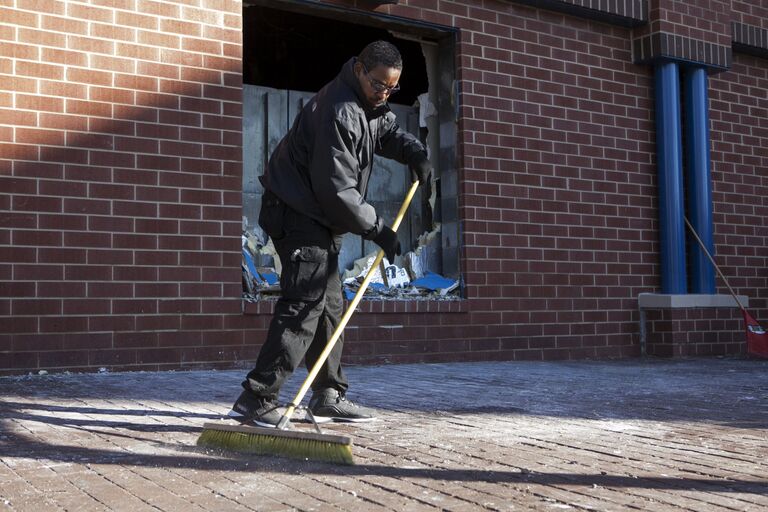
[157, 226]
[153, 258]
[53, 88]
[88, 108]
[134, 241]
[166, 101]
[39, 103]
[176, 117]
[224, 33]
[137, 177]
[18, 220]
[159, 9]
[36, 203]
[36, 238]
[157, 131]
[134, 307]
[61, 255]
[112, 31]
[136, 51]
[113, 323]
[141, 83]
[157, 290]
[201, 45]
[36, 307]
[20, 51]
[34, 272]
[62, 324]
[87, 173]
[202, 166]
[112, 159]
[158, 39]
[111, 95]
[173, 26]
[208, 106]
[90, 45]
[61, 122]
[17, 118]
[108, 191]
[15, 17]
[179, 243]
[38, 136]
[87, 239]
[158, 163]
[180, 88]
[87, 206]
[41, 37]
[205, 76]
[137, 20]
[135, 208]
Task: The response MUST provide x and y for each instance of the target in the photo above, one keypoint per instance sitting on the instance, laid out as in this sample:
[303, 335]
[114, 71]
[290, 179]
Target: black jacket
[322, 166]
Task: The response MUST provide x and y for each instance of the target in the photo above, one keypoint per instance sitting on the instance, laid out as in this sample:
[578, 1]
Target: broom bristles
[270, 441]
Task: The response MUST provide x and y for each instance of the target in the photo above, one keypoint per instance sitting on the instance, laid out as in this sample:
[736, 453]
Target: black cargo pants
[310, 304]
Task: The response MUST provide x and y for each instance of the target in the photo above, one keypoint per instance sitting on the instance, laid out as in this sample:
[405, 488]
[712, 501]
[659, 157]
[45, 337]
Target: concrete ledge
[690, 300]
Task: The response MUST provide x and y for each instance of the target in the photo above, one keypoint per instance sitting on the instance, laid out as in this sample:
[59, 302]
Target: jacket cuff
[374, 231]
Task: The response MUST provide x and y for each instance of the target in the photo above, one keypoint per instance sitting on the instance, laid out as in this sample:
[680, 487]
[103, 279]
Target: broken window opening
[288, 56]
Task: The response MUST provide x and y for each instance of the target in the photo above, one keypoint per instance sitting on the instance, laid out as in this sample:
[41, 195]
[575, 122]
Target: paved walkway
[626, 435]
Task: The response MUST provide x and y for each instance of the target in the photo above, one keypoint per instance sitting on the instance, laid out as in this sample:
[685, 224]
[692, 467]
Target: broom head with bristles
[273, 441]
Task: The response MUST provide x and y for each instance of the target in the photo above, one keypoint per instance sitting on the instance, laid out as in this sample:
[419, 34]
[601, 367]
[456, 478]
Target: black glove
[421, 168]
[387, 240]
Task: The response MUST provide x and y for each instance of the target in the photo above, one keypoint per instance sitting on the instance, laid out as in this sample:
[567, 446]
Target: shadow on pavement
[248, 464]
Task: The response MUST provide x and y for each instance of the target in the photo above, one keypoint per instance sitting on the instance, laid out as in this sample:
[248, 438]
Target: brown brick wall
[698, 31]
[695, 332]
[738, 113]
[119, 182]
[558, 181]
[750, 12]
[120, 187]
[700, 20]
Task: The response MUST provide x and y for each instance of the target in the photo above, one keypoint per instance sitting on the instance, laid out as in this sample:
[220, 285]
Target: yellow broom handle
[347, 315]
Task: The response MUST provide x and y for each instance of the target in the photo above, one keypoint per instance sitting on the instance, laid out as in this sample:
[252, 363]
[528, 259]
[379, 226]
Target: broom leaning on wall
[757, 338]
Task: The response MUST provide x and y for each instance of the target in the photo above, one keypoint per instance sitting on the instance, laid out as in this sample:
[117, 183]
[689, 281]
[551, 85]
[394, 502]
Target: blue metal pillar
[670, 178]
[699, 184]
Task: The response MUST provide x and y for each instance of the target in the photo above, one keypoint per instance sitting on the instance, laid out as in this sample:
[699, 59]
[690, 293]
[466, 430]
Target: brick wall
[694, 332]
[120, 181]
[558, 190]
[700, 20]
[751, 12]
[738, 113]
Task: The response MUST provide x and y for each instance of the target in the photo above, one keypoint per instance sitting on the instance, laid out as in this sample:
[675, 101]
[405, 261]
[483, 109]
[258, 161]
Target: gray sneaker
[252, 409]
[330, 405]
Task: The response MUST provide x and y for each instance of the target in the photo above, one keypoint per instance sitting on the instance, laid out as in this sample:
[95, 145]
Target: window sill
[266, 306]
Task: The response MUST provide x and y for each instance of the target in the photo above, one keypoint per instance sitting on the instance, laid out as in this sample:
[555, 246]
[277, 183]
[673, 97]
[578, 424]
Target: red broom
[757, 338]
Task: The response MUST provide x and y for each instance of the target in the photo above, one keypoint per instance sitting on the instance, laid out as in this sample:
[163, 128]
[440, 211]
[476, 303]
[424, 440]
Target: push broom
[294, 443]
[757, 338]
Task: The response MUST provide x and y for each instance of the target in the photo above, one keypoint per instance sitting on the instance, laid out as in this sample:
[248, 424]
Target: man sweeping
[314, 192]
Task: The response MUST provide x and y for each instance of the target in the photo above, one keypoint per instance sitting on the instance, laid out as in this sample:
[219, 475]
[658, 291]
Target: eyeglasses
[379, 86]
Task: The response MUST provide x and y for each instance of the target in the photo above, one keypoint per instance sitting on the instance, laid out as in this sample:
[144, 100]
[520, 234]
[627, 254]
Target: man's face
[378, 84]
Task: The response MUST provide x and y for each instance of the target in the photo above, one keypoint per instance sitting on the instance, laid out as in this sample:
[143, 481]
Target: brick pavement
[618, 435]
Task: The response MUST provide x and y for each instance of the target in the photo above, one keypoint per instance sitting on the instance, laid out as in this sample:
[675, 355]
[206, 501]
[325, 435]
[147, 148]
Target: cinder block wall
[120, 181]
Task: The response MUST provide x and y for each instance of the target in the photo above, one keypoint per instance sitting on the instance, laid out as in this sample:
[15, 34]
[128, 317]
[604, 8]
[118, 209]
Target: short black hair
[380, 53]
